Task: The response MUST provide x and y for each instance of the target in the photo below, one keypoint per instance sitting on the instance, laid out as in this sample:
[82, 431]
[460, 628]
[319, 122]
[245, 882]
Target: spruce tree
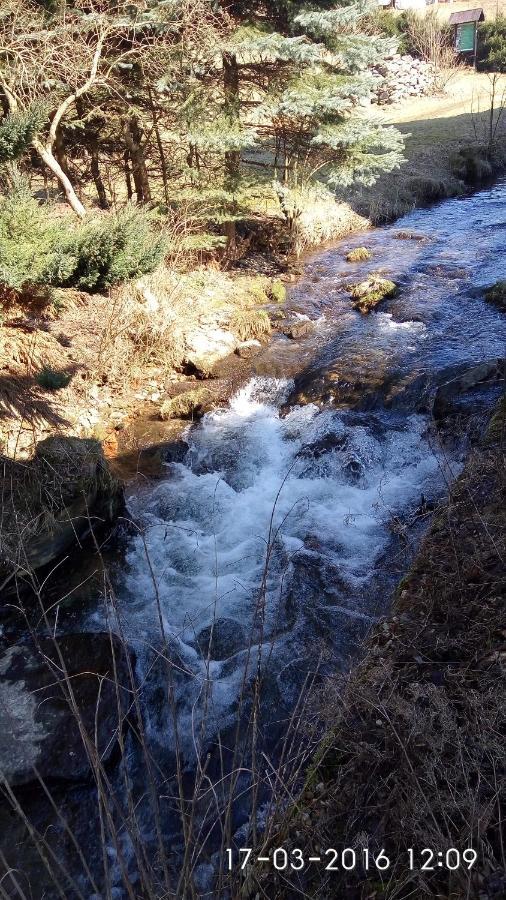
[301, 79]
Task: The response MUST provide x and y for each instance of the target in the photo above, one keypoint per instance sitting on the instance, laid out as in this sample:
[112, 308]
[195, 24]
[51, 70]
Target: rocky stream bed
[251, 564]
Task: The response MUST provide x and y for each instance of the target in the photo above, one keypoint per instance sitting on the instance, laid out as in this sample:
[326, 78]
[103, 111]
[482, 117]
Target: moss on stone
[497, 295]
[358, 254]
[191, 404]
[369, 293]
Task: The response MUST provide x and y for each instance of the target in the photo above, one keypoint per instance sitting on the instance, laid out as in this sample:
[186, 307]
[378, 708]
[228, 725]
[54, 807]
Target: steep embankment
[415, 755]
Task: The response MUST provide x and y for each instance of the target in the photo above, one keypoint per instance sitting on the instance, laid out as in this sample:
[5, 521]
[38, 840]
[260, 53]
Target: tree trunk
[52, 163]
[128, 179]
[232, 157]
[97, 177]
[159, 144]
[91, 140]
[136, 151]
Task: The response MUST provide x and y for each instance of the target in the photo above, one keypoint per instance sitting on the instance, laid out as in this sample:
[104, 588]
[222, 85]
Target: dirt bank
[414, 755]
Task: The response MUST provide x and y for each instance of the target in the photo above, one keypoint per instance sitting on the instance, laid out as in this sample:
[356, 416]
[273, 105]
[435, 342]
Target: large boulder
[207, 347]
[53, 501]
[51, 696]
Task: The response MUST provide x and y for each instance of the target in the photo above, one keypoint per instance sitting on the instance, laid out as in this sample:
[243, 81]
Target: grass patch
[277, 291]
[358, 254]
[250, 323]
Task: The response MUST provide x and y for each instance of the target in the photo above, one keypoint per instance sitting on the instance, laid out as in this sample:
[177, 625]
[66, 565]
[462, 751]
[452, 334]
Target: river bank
[124, 355]
[413, 754]
[260, 557]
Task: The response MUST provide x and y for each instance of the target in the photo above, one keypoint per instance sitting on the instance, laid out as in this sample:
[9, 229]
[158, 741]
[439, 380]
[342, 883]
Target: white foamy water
[322, 486]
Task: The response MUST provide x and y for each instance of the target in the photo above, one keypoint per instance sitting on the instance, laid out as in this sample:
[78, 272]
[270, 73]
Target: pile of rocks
[399, 77]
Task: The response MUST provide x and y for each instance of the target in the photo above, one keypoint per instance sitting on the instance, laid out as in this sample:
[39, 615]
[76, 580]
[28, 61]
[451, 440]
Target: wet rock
[410, 236]
[497, 295]
[38, 727]
[175, 452]
[192, 404]
[248, 349]
[222, 640]
[298, 329]
[324, 445]
[490, 371]
[338, 386]
[369, 293]
[54, 500]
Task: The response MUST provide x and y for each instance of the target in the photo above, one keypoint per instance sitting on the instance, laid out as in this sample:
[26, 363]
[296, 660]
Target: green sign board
[465, 37]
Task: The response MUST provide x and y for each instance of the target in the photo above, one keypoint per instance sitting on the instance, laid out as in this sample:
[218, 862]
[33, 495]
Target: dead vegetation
[415, 756]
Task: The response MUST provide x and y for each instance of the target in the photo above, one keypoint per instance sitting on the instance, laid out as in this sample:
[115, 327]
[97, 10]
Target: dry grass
[250, 324]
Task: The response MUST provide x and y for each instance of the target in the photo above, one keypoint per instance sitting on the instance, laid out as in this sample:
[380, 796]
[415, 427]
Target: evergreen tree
[298, 96]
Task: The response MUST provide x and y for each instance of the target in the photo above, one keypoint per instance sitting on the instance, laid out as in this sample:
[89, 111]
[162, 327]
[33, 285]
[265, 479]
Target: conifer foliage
[214, 110]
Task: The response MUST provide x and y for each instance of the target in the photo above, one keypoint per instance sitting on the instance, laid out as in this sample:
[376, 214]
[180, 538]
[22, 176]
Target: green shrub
[388, 24]
[38, 249]
[52, 379]
[491, 55]
[113, 249]
[30, 243]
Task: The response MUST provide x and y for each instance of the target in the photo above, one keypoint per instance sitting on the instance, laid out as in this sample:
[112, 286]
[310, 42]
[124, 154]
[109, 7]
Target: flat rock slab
[39, 729]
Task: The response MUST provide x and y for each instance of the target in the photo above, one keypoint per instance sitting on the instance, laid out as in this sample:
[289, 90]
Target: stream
[270, 546]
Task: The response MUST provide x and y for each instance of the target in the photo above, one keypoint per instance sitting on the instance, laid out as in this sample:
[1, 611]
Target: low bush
[52, 379]
[491, 56]
[38, 249]
[112, 250]
[471, 165]
[31, 244]
[390, 25]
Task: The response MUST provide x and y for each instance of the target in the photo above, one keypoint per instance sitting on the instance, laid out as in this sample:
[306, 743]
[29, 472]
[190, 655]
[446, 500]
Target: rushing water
[298, 506]
[305, 509]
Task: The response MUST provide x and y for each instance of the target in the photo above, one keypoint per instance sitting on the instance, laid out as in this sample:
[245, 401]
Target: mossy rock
[497, 295]
[189, 405]
[358, 254]
[369, 293]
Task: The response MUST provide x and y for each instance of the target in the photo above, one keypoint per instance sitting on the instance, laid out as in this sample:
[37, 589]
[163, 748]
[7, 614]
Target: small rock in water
[222, 639]
[296, 330]
[248, 349]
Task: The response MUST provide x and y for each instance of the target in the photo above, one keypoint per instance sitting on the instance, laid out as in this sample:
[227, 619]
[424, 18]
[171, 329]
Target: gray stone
[38, 727]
